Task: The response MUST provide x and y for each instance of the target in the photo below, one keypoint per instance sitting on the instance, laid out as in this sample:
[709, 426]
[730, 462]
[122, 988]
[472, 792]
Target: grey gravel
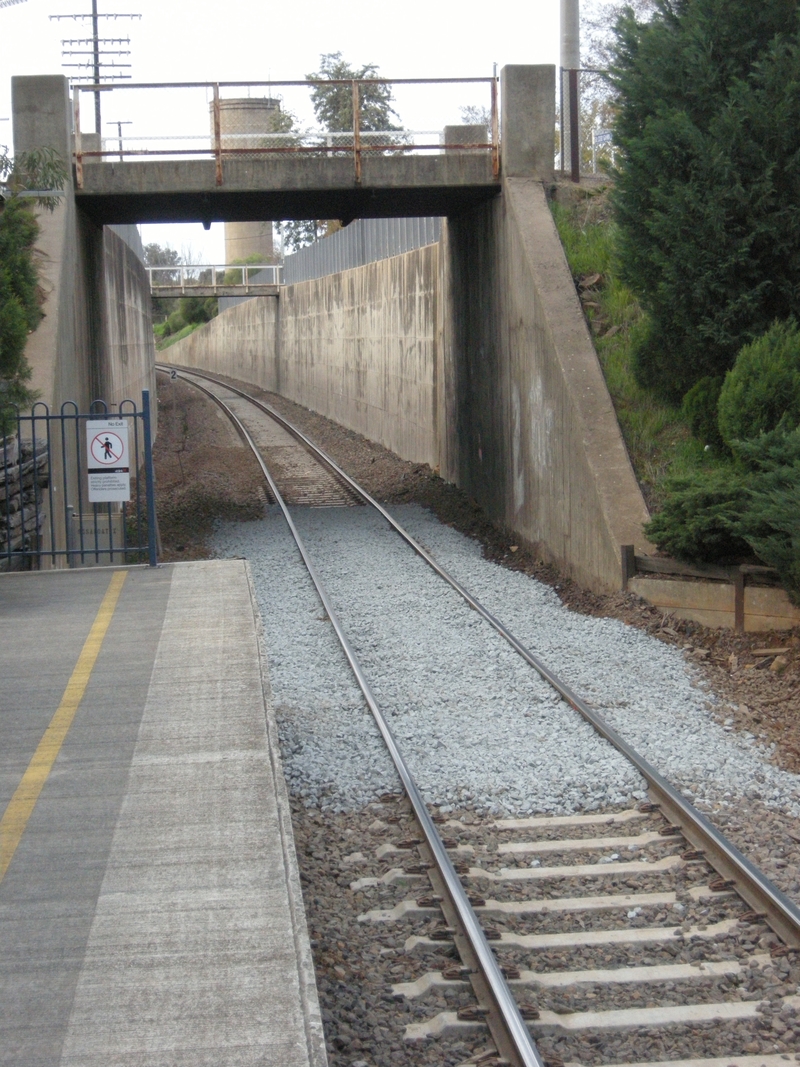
[478, 727]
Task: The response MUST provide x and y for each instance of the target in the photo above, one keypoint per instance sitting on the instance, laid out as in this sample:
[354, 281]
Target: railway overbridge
[501, 390]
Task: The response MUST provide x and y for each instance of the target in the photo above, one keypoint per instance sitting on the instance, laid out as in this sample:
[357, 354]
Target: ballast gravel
[477, 725]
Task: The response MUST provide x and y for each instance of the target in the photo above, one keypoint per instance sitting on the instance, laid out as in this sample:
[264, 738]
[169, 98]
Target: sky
[240, 40]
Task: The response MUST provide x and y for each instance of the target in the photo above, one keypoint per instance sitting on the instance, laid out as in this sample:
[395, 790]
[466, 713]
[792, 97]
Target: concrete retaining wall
[126, 363]
[533, 434]
[241, 343]
[471, 355]
[96, 339]
[358, 346]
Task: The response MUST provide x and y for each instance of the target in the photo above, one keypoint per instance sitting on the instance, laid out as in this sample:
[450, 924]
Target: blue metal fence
[45, 512]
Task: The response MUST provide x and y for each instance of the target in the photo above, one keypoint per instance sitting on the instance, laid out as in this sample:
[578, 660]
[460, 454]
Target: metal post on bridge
[357, 131]
[76, 123]
[217, 135]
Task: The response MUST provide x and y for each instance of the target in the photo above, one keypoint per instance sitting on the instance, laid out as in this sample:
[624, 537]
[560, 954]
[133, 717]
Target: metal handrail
[219, 152]
[188, 279]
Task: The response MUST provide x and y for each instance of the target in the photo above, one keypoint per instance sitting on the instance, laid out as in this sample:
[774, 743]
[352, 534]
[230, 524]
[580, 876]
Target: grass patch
[657, 436]
[163, 342]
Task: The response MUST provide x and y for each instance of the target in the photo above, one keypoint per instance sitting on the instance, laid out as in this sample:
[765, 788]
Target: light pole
[570, 105]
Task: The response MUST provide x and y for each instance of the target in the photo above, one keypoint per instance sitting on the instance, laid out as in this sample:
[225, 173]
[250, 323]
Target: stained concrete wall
[126, 360]
[358, 346]
[532, 431]
[472, 355]
[241, 343]
[96, 338]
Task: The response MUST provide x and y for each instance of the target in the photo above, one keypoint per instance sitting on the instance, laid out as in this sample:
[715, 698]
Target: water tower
[243, 124]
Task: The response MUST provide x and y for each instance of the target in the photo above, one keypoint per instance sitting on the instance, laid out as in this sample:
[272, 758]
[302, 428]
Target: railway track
[593, 933]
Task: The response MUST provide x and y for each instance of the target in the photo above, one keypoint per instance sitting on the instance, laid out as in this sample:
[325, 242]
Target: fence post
[628, 559]
[357, 131]
[495, 132]
[574, 128]
[217, 135]
[738, 601]
[76, 123]
[149, 480]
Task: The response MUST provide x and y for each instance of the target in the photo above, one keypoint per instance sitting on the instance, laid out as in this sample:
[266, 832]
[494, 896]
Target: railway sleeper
[671, 972]
[445, 1022]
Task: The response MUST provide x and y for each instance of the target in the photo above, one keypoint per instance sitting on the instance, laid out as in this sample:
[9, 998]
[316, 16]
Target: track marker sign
[108, 460]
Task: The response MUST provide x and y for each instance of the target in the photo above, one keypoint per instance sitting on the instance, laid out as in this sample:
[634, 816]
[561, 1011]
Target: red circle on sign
[107, 448]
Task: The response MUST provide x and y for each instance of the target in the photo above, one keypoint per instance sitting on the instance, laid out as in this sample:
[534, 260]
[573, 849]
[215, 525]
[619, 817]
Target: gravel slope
[478, 727]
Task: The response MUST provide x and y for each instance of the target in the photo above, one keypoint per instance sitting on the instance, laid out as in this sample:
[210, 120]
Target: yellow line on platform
[15, 818]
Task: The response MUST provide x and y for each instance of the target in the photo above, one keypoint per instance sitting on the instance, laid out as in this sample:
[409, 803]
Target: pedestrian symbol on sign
[109, 463]
[108, 449]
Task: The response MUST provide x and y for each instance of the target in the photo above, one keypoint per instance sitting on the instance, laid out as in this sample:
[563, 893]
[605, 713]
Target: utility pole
[99, 50]
[96, 68]
[570, 103]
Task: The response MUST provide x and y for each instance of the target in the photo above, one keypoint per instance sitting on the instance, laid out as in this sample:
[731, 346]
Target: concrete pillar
[527, 121]
[42, 114]
[466, 135]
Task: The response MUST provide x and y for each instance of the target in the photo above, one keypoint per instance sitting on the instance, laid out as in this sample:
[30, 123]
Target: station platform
[150, 903]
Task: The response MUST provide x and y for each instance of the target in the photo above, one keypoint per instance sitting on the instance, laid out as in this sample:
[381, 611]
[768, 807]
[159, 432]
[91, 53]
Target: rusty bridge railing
[216, 121]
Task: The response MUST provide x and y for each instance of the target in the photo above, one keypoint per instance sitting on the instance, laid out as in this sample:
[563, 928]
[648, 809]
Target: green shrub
[753, 505]
[19, 305]
[700, 410]
[763, 388]
[771, 521]
[197, 308]
[701, 515]
[175, 322]
[708, 191]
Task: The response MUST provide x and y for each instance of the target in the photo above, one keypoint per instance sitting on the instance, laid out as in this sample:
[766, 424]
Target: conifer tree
[708, 190]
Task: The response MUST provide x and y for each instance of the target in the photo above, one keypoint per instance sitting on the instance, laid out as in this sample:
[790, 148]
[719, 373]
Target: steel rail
[514, 1039]
[781, 913]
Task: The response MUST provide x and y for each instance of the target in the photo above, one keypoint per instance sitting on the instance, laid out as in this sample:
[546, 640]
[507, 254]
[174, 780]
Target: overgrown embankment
[722, 471]
[657, 434]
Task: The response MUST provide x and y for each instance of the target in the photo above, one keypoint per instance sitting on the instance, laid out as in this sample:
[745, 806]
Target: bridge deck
[150, 909]
[285, 187]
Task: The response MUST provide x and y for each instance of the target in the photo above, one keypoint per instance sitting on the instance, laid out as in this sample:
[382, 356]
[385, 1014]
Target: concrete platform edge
[315, 1034]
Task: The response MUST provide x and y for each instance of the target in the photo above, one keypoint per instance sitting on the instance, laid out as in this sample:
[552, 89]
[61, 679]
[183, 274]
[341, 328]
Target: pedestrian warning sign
[108, 460]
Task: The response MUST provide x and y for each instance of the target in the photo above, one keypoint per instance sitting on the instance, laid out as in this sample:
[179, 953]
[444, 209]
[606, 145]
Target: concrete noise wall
[471, 355]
